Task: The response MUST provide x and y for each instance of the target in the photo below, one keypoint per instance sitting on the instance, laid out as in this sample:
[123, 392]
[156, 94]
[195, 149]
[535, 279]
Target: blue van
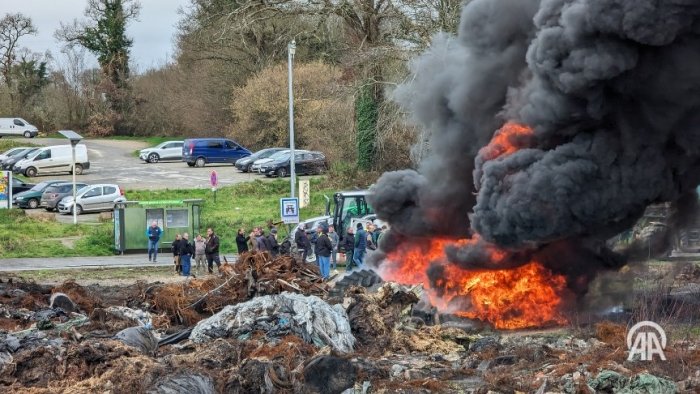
[201, 151]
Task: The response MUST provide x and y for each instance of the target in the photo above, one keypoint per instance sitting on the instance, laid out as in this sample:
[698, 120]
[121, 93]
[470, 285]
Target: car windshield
[40, 186]
[12, 151]
[161, 145]
[268, 153]
[20, 152]
[280, 155]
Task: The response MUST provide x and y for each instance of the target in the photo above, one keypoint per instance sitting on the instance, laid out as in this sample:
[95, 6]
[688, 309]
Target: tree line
[229, 74]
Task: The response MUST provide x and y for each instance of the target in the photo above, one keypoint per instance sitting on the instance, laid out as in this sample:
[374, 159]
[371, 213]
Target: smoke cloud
[609, 89]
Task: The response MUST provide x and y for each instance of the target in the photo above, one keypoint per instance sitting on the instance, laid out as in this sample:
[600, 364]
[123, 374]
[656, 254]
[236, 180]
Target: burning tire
[364, 277]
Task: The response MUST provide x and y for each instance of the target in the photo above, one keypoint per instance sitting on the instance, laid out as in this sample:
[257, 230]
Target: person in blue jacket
[153, 233]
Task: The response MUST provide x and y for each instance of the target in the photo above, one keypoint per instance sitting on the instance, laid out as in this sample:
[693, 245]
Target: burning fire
[509, 139]
[523, 297]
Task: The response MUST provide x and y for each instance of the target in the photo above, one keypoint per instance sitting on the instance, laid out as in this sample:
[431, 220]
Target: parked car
[245, 163]
[57, 158]
[255, 167]
[201, 151]
[17, 126]
[10, 161]
[304, 163]
[169, 150]
[56, 192]
[11, 152]
[93, 198]
[19, 186]
[32, 197]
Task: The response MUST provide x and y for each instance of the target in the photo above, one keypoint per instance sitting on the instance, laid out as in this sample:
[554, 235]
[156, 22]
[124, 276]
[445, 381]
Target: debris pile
[254, 274]
[367, 341]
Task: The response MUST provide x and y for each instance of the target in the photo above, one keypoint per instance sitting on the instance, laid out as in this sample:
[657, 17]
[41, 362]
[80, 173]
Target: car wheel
[33, 203]
[153, 158]
[78, 209]
[27, 134]
[282, 172]
[30, 172]
[200, 162]
[78, 169]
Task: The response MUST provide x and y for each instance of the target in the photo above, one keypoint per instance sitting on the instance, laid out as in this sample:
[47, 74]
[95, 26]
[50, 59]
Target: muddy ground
[75, 347]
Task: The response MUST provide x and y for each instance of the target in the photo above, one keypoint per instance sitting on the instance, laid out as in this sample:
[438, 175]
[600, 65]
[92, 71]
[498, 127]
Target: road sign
[304, 193]
[289, 210]
[214, 179]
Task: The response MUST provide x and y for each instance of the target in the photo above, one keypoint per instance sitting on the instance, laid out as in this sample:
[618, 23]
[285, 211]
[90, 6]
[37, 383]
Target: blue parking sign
[289, 209]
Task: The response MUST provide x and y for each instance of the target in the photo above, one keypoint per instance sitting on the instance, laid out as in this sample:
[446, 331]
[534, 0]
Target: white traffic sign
[289, 209]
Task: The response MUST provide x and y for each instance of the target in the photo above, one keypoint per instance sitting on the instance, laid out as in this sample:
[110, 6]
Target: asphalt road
[112, 161]
[128, 260]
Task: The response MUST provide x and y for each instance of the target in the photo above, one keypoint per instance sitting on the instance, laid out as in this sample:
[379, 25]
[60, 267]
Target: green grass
[243, 205]
[94, 274]
[6, 144]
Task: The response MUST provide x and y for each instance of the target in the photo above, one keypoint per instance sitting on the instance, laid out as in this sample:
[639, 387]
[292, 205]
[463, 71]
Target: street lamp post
[74, 139]
[291, 48]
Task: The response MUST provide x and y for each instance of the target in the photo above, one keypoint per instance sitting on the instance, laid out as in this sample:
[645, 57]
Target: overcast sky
[153, 33]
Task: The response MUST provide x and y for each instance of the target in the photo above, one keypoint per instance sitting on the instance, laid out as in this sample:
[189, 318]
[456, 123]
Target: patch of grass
[24, 236]
[94, 274]
[6, 144]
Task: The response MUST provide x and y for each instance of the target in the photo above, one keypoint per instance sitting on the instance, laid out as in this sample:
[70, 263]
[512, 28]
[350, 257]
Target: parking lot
[113, 161]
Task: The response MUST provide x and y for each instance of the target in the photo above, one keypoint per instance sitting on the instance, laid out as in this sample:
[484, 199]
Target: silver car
[169, 150]
[93, 198]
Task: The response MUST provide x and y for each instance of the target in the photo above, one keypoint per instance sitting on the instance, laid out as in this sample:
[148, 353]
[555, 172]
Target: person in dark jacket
[211, 250]
[175, 247]
[324, 248]
[153, 233]
[358, 255]
[261, 241]
[348, 246]
[241, 241]
[302, 241]
[272, 242]
[186, 251]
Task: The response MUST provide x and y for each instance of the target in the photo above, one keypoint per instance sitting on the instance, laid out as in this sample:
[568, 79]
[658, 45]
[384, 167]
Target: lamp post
[74, 139]
[291, 48]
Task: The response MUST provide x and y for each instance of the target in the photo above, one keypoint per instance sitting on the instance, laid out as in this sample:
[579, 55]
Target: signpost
[289, 210]
[304, 193]
[214, 180]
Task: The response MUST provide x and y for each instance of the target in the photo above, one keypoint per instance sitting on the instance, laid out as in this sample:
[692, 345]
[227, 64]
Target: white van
[57, 158]
[17, 126]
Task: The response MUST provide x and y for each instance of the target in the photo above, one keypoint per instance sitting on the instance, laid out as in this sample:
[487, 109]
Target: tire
[33, 203]
[27, 134]
[77, 208]
[78, 169]
[30, 172]
[200, 162]
[153, 158]
[362, 277]
[281, 172]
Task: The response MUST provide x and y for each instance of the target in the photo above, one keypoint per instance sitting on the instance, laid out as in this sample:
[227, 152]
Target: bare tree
[12, 28]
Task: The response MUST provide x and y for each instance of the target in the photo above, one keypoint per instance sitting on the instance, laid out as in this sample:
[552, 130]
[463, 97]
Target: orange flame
[506, 141]
[523, 297]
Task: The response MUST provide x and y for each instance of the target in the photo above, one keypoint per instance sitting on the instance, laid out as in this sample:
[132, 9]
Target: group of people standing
[201, 249]
[257, 240]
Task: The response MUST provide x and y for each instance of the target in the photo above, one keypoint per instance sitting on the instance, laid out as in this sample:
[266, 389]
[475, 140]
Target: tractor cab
[350, 208]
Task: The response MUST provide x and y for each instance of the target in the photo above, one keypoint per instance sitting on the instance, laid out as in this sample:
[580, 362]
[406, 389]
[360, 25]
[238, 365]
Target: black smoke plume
[610, 89]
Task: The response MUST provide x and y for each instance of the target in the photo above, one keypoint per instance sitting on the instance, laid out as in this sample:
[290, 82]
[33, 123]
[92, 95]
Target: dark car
[245, 163]
[31, 198]
[304, 163]
[9, 162]
[55, 193]
[201, 151]
[18, 186]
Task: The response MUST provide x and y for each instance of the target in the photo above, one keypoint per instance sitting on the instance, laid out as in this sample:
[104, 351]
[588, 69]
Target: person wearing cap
[324, 248]
[302, 241]
[358, 254]
[272, 242]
